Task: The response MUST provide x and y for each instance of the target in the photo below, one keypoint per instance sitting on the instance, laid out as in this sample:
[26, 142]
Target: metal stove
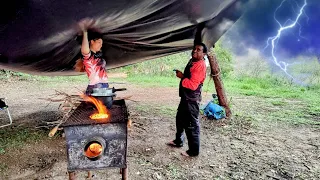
[97, 144]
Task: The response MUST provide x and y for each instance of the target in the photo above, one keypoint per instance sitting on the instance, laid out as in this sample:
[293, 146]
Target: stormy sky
[258, 24]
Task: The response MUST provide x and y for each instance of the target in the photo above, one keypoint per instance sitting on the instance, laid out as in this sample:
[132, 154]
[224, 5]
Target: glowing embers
[94, 149]
[102, 113]
[97, 116]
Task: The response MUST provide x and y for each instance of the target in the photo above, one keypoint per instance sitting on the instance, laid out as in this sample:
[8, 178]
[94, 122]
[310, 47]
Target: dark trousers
[187, 120]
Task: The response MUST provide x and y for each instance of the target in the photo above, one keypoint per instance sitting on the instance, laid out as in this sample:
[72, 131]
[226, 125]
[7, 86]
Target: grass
[163, 81]
[80, 78]
[259, 87]
[3, 167]
[157, 110]
[295, 117]
[173, 171]
[281, 94]
[154, 81]
[15, 137]
[4, 75]
[278, 103]
[296, 104]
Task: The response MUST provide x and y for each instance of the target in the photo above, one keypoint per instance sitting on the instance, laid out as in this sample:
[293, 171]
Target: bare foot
[183, 153]
[172, 144]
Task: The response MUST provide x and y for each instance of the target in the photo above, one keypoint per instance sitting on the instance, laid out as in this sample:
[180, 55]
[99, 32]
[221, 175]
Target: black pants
[187, 120]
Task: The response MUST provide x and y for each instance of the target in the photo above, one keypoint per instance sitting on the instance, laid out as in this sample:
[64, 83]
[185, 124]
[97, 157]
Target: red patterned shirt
[95, 68]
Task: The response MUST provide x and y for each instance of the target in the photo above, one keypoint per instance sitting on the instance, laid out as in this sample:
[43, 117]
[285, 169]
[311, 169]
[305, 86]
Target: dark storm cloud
[258, 23]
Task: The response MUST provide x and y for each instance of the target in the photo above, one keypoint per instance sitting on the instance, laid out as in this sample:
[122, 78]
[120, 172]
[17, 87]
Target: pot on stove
[106, 95]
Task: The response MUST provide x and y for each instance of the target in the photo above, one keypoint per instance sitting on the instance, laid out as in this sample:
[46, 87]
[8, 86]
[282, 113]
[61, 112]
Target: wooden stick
[64, 118]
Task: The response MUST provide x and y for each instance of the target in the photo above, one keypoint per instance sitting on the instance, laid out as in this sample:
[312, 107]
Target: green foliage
[173, 171]
[307, 70]
[157, 67]
[164, 66]
[254, 66]
[6, 74]
[224, 57]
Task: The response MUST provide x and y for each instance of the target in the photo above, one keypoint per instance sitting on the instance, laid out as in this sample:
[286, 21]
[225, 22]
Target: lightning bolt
[275, 39]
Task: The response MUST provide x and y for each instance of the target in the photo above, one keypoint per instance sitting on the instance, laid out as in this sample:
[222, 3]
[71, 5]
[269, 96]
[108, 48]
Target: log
[215, 73]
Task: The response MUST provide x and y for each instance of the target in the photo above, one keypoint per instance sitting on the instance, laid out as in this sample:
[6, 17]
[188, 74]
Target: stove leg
[72, 175]
[124, 172]
[89, 175]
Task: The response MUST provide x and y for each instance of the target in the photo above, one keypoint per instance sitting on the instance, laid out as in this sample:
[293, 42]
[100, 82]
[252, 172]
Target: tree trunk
[215, 73]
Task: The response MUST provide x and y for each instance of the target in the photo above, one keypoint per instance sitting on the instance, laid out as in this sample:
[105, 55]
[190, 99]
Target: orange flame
[93, 150]
[102, 110]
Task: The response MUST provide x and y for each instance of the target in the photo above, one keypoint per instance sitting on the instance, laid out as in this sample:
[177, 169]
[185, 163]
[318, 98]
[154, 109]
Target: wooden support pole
[216, 76]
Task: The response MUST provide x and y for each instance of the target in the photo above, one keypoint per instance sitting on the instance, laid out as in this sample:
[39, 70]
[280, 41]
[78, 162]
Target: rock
[156, 175]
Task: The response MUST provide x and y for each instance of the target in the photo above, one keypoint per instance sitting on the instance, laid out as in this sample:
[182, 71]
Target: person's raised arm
[84, 26]
[85, 44]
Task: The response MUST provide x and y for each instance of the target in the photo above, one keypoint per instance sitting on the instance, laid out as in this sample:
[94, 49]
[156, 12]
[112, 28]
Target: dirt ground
[241, 148]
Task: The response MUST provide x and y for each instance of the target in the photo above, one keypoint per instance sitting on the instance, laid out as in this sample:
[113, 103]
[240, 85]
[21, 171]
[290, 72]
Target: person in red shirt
[187, 118]
[93, 63]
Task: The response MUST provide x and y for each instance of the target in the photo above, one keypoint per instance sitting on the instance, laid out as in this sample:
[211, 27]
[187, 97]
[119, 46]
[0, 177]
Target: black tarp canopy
[42, 37]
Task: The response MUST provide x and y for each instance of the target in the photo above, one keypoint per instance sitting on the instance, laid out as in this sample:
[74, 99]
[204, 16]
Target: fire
[102, 110]
[94, 150]
[99, 116]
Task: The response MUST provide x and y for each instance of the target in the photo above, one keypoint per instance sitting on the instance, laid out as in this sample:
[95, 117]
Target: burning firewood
[64, 118]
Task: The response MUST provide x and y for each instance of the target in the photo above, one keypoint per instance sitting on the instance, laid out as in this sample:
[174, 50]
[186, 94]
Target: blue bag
[213, 110]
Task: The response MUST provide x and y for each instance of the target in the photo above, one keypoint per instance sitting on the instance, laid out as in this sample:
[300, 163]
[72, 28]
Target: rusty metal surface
[114, 154]
[80, 130]
[117, 114]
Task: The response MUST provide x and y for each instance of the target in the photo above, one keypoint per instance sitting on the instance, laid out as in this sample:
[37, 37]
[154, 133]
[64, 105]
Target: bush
[164, 66]
[224, 57]
[307, 70]
[157, 67]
